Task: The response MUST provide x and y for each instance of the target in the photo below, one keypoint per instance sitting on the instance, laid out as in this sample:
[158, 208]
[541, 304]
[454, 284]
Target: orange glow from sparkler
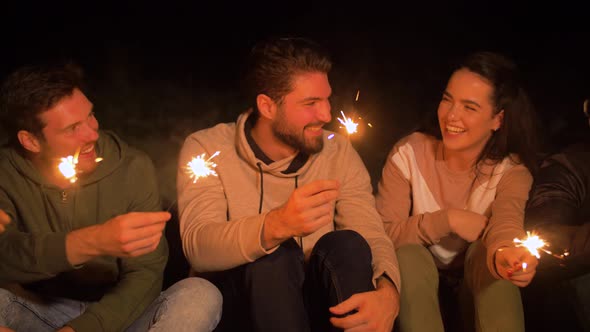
[351, 126]
[199, 167]
[67, 166]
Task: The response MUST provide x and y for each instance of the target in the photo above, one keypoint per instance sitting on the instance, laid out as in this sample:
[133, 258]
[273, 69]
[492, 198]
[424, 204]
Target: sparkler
[351, 126]
[534, 243]
[67, 166]
[198, 167]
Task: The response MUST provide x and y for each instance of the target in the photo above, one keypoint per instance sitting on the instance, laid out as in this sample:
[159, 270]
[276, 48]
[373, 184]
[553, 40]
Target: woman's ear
[498, 120]
[29, 141]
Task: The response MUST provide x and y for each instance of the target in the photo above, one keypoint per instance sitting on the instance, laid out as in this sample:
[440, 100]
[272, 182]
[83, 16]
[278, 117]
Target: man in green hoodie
[84, 249]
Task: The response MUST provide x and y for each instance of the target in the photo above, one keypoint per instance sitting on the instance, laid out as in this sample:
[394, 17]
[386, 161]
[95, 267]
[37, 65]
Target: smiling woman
[453, 201]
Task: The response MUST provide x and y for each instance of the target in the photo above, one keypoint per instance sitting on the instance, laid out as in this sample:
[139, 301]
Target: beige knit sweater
[417, 188]
[220, 223]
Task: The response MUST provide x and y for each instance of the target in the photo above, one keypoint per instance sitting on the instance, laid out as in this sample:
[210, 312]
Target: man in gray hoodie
[288, 227]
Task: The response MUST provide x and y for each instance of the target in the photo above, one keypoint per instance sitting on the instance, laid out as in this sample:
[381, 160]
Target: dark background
[157, 72]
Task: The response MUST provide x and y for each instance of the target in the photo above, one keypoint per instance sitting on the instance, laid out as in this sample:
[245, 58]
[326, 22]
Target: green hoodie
[32, 249]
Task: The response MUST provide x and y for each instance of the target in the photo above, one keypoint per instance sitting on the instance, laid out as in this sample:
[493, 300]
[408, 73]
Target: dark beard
[298, 142]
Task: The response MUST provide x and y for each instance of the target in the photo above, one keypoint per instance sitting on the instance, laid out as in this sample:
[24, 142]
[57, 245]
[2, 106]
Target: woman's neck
[458, 160]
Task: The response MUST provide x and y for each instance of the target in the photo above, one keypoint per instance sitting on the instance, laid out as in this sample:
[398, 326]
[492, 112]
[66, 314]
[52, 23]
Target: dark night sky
[173, 68]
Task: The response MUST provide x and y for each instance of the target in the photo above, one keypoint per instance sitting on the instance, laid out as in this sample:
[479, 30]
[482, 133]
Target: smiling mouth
[314, 128]
[87, 150]
[455, 130]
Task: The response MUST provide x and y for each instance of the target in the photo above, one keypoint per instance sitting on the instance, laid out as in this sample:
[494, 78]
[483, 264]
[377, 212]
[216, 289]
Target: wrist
[271, 236]
[386, 285]
[81, 245]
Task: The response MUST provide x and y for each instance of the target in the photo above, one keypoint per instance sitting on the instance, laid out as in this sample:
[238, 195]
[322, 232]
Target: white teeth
[454, 129]
[89, 149]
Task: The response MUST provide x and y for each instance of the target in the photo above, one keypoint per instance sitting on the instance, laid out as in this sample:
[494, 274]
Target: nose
[90, 131]
[324, 112]
[452, 113]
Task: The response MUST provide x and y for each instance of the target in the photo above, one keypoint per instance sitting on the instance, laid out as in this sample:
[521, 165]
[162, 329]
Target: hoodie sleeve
[210, 242]
[355, 210]
[507, 219]
[29, 257]
[140, 278]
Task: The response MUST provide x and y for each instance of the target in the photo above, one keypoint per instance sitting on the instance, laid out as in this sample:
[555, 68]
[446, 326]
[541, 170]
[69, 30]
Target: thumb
[345, 306]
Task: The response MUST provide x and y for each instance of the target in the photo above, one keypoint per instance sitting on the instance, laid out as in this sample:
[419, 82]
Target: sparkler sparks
[67, 166]
[351, 126]
[534, 243]
[199, 167]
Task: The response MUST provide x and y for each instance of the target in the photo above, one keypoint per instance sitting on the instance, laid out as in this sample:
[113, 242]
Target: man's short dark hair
[31, 90]
[274, 63]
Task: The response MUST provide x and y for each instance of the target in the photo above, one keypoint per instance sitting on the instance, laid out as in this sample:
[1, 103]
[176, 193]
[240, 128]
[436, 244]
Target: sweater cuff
[54, 249]
[251, 237]
[435, 225]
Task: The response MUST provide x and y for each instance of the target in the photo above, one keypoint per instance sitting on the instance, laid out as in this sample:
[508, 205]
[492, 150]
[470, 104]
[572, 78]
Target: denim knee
[6, 298]
[344, 243]
[285, 262]
[194, 302]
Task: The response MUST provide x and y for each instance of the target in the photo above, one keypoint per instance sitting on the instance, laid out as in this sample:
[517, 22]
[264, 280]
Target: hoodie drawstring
[297, 186]
[259, 164]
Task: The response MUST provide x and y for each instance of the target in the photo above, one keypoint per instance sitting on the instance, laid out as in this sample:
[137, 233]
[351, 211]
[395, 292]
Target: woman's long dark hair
[518, 134]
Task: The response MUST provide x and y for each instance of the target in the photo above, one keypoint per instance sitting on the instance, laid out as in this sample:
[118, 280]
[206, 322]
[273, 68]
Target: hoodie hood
[109, 147]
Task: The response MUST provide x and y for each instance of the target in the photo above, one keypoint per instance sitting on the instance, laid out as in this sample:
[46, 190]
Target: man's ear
[29, 141]
[266, 106]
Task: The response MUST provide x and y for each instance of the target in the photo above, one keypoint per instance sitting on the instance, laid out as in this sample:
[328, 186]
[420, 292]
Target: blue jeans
[192, 304]
[279, 292]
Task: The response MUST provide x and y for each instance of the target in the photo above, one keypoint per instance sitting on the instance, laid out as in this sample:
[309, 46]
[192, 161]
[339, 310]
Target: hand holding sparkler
[128, 235]
[309, 208]
[516, 264]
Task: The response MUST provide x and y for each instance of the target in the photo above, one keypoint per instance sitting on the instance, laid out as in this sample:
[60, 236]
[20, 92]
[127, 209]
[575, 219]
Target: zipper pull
[64, 196]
